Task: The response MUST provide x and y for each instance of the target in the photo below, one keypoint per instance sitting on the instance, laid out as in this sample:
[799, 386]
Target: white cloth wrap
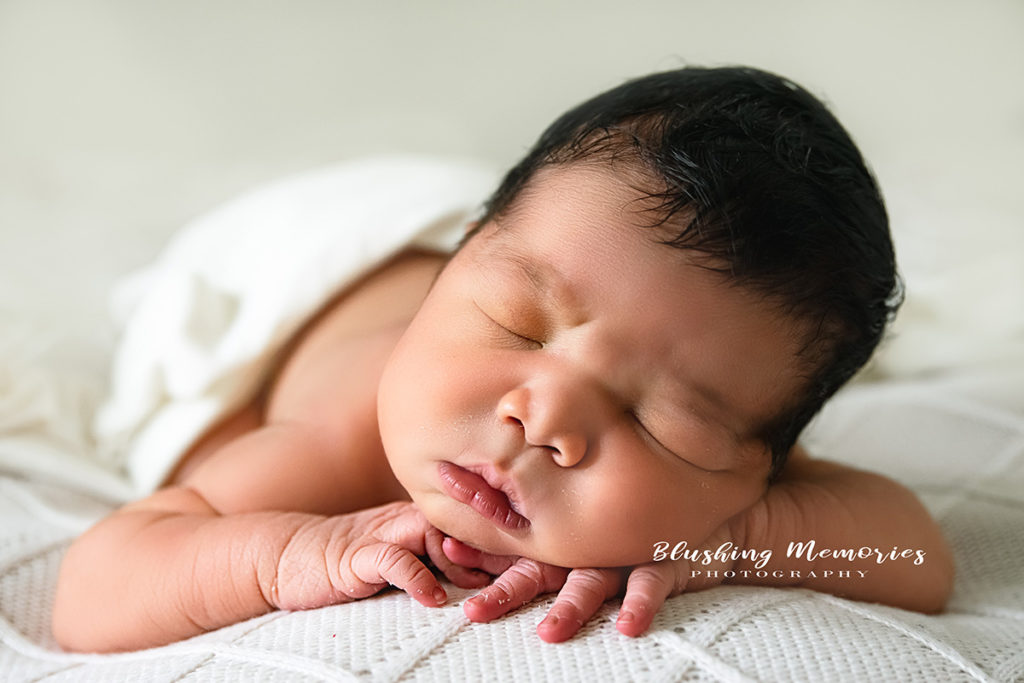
[201, 324]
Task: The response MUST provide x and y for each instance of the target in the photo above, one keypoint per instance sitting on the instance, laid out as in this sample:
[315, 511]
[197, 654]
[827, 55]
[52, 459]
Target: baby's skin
[545, 407]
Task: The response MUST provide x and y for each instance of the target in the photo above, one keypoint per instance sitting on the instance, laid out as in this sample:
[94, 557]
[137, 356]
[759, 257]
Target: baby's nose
[547, 421]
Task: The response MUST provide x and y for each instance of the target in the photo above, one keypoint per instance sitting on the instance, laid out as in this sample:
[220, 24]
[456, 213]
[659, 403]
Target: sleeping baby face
[575, 392]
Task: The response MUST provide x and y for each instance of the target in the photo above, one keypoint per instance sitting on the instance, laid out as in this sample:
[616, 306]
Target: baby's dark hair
[752, 172]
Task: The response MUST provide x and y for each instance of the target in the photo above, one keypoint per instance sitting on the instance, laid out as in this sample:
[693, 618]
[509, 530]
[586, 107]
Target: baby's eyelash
[520, 338]
[533, 343]
[640, 426]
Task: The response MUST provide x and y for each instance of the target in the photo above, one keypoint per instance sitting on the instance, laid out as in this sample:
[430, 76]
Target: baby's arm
[175, 564]
[836, 506]
[844, 508]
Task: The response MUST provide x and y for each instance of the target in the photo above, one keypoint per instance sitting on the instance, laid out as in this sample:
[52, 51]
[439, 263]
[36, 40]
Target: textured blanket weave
[965, 458]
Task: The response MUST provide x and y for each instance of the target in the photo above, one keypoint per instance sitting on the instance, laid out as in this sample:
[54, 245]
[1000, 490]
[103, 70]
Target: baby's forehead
[504, 243]
[616, 190]
[510, 243]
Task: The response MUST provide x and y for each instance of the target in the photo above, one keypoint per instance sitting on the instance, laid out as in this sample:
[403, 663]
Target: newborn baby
[614, 365]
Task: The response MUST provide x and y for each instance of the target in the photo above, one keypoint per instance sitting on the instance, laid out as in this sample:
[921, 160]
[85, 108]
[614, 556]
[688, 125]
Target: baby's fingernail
[626, 618]
[439, 595]
[550, 620]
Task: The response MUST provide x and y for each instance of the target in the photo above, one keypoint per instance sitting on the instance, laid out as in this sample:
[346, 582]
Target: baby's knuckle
[388, 558]
[586, 578]
[529, 572]
[590, 584]
[679, 580]
[398, 566]
[503, 593]
[656, 575]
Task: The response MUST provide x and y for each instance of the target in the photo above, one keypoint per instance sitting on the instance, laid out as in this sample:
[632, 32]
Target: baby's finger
[646, 590]
[386, 562]
[466, 556]
[584, 592]
[521, 583]
[461, 576]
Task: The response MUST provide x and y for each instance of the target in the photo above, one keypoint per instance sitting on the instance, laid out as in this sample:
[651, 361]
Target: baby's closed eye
[691, 439]
[511, 332]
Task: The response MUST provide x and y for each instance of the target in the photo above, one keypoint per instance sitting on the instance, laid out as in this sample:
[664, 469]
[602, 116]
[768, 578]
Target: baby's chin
[558, 551]
[476, 533]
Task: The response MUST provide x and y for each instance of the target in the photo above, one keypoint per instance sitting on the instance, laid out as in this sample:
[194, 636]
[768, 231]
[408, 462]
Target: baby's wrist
[302, 541]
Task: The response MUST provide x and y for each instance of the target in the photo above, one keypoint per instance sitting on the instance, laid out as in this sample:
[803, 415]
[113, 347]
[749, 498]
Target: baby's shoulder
[334, 363]
[389, 295]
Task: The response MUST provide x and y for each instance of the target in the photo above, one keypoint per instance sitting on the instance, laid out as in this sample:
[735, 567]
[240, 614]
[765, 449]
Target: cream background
[120, 120]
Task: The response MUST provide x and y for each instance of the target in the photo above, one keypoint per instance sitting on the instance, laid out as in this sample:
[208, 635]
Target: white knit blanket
[965, 457]
[957, 440]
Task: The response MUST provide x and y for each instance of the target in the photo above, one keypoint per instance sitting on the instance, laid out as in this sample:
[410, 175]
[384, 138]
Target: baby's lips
[473, 490]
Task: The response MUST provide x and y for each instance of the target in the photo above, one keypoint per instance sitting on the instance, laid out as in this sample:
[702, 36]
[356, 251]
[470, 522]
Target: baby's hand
[362, 553]
[581, 592]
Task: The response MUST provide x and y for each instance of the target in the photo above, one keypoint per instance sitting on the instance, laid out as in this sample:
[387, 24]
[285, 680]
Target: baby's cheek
[616, 527]
[664, 509]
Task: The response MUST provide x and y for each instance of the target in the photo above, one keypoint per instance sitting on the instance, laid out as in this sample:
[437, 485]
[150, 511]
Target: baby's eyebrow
[540, 277]
[554, 288]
